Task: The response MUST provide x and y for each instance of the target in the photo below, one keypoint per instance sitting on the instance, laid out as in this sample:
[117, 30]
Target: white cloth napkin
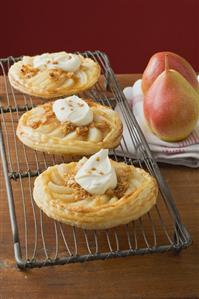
[184, 152]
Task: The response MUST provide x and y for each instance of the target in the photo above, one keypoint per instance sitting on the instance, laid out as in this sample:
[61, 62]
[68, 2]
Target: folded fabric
[185, 152]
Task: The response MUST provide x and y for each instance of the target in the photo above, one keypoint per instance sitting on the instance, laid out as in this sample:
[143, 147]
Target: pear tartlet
[61, 197]
[40, 129]
[52, 75]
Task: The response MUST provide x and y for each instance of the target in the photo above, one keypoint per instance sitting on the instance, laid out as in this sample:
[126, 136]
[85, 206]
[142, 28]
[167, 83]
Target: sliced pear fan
[40, 130]
[61, 198]
[49, 83]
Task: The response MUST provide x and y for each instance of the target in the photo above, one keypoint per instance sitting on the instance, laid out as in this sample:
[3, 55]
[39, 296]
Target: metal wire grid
[41, 241]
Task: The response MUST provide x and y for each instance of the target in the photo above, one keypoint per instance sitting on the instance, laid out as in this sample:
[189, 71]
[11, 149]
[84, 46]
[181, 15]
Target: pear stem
[166, 63]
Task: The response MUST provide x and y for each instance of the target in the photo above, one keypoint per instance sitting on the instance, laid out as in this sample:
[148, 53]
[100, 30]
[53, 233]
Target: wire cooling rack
[40, 241]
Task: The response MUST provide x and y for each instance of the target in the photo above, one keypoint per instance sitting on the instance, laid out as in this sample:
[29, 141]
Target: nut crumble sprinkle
[58, 74]
[79, 192]
[28, 71]
[82, 131]
[123, 176]
[68, 127]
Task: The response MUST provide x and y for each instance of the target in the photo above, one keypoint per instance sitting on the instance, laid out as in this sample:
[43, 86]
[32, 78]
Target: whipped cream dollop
[96, 174]
[74, 110]
[61, 60]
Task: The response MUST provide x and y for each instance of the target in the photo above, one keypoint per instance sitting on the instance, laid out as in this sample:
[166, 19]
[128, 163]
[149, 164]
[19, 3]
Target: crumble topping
[36, 124]
[49, 115]
[77, 190]
[82, 131]
[28, 71]
[68, 127]
[57, 74]
[123, 176]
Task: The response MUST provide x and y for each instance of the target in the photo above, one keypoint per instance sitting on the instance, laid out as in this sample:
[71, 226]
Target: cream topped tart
[51, 75]
[95, 193]
[70, 126]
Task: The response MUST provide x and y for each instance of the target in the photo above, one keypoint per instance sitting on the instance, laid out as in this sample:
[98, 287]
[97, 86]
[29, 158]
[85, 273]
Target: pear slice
[94, 135]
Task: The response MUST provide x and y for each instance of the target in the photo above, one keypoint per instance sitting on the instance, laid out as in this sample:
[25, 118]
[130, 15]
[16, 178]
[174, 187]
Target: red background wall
[130, 31]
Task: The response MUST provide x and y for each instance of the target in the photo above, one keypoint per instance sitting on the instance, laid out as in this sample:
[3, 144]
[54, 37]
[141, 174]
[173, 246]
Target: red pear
[171, 106]
[156, 66]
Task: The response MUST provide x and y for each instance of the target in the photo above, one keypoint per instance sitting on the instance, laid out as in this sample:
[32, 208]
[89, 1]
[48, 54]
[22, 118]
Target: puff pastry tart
[110, 194]
[51, 75]
[70, 126]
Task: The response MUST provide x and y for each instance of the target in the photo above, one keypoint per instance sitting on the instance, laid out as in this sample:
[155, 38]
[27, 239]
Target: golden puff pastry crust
[61, 198]
[48, 83]
[39, 129]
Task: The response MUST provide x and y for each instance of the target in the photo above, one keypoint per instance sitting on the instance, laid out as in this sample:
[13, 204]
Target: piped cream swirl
[61, 60]
[96, 174]
[73, 109]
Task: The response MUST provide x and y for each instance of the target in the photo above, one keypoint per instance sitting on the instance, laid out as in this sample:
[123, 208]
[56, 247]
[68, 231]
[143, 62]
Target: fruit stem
[166, 63]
